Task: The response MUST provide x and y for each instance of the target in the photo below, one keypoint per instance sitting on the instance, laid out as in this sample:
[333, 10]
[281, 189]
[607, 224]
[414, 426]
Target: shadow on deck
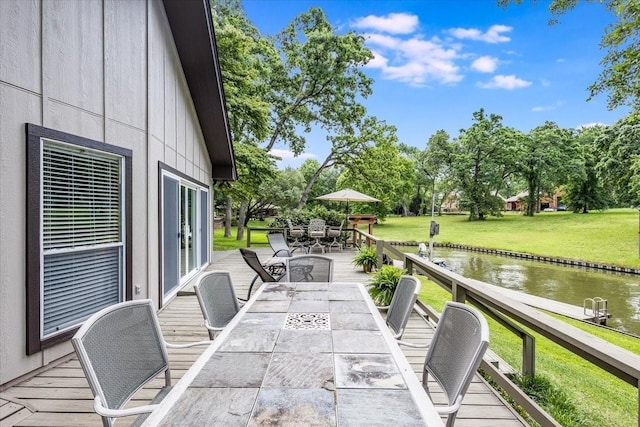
[60, 396]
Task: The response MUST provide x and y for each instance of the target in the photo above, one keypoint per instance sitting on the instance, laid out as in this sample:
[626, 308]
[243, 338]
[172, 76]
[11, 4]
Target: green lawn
[609, 237]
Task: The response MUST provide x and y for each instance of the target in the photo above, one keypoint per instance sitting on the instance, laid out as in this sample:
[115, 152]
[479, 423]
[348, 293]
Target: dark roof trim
[193, 33]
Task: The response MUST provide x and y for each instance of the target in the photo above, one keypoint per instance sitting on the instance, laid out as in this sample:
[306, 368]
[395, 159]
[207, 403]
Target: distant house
[518, 202]
[112, 132]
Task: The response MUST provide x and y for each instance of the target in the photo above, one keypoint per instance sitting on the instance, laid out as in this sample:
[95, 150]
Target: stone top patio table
[312, 354]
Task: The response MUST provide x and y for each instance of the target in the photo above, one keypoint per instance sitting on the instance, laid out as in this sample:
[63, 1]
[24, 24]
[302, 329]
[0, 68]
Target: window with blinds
[82, 233]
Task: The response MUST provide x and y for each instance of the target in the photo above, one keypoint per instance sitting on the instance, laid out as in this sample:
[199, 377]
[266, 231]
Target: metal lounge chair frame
[120, 349]
[279, 245]
[252, 260]
[217, 300]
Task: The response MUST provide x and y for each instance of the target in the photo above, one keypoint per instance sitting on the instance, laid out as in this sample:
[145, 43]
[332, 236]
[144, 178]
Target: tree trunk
[241, 215]
[312, 180]
[228, 215]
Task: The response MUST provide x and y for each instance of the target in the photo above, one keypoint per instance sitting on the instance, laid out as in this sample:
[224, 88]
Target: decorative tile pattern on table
[377, 407]
[213, 406]
[367, 371]
[359, 342]
[294, 370]
[294, 407]
[353, 321]
[233, 370]
[319, 321]
[304, 341]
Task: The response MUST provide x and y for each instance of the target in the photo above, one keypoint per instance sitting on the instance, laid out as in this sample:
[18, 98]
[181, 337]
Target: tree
[381, 172]
[482, 158]
[619, 163]
[348, 146]
[620, 77]
[318, 81]
[547, 156]
[584, 190]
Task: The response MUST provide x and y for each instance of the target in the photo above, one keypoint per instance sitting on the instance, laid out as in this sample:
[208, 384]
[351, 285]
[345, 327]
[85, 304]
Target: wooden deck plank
[61, 397]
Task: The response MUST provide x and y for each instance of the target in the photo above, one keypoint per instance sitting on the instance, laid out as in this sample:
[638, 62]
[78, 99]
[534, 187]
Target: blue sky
[437, 61]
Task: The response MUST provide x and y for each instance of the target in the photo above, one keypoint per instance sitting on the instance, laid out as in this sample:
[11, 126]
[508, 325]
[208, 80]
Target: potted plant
[383, 284]
[367, 257]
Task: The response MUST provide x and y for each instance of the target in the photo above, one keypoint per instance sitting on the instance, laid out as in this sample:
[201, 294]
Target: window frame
[34, 254]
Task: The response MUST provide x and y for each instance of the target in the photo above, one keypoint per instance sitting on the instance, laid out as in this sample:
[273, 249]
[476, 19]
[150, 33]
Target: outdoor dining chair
[217, 300]
[120, 349]
[296, 232]
[252, 260]
[335, 232]
[401, 306]
[317, 230]
[309, 268]
[456, 350]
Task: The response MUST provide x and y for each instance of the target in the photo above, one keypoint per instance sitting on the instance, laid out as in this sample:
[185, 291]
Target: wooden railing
[613, 359]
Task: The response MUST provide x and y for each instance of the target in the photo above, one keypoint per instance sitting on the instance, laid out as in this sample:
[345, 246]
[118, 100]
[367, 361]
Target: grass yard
[609, 237]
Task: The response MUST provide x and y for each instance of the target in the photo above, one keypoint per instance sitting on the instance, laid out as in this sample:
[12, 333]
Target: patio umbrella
[348, 195]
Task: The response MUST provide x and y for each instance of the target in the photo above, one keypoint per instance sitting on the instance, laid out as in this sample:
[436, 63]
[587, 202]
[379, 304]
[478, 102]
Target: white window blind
[82, 234]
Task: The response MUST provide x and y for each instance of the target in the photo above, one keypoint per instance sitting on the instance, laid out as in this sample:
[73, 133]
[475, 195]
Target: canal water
[571, 285]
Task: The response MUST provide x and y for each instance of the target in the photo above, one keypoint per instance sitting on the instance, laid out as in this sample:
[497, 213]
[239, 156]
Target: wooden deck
[60, 396]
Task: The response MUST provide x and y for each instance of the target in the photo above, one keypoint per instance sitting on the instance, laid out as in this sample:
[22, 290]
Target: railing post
[408, 265]
[458, 293]
[528, 355]
[380, 251]
[248, 237]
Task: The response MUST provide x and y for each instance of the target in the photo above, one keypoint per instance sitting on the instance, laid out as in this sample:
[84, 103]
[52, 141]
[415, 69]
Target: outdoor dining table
[312, 354]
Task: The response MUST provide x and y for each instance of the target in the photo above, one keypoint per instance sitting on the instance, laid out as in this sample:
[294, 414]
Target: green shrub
[367, 258]
[383, 284]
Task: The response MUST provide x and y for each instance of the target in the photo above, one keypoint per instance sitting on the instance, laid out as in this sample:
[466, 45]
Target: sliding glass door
[184, 231]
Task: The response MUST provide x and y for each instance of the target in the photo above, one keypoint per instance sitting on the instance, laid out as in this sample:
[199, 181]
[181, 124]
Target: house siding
[104, 70]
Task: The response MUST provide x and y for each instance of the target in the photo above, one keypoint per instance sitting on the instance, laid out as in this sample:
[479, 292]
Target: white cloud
[288, 156]
[393, 23]
[492, 35]
[509, 82]
[590, 125]
[485, 64]
[547, 107]
[414, 60]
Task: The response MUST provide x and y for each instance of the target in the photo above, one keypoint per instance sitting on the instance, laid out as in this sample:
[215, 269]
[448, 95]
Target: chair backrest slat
[404, 298]
[309, 268]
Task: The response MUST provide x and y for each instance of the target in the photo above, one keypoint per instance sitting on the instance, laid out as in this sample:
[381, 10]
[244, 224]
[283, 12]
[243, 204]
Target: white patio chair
[217, 300]
[317, 230]
[335, 232]
[456, 350]
[296, 232]
[120, 349]
[309, 268]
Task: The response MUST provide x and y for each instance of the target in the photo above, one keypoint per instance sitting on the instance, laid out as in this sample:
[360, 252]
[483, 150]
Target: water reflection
[567, 284]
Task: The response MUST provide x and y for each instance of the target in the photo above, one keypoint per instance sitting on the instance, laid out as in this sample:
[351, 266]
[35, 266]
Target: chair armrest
[287, 253]
[450, 409]
[108, 412]
[191, 344]
[412, 345]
